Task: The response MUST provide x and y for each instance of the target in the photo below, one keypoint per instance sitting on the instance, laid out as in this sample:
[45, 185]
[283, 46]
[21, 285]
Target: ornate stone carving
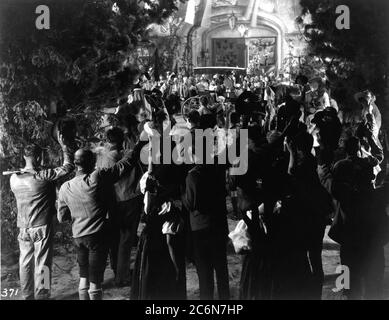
[223, 3]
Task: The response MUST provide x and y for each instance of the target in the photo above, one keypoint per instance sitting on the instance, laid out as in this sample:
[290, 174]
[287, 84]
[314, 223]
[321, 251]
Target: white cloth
[142, 182]
[240, 237]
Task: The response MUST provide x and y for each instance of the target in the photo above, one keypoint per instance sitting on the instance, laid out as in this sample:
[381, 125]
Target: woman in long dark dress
[254, 281]
[155, 275]
[265, 163]
[159, 271]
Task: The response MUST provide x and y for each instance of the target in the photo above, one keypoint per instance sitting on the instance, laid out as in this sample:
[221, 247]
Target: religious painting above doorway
[229, 52]
[262, 54]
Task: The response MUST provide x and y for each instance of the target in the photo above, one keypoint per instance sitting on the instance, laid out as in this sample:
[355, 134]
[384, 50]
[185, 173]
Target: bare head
[85, 160]
[32, 154]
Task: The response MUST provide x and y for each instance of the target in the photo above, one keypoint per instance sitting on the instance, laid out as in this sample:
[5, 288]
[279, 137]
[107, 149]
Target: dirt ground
[65, 274]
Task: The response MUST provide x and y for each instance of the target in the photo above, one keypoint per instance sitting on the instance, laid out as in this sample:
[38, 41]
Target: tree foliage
[355, 58]
[85, 61]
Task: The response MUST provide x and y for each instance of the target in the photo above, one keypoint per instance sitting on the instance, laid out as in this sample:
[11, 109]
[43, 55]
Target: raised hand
[60, 139]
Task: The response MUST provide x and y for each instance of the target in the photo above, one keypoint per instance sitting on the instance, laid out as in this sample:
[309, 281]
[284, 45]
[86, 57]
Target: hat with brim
[363, 94]
[318, 80]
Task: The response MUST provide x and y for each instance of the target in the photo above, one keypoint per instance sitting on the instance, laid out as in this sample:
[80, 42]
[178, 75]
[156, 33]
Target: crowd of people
[309, 166]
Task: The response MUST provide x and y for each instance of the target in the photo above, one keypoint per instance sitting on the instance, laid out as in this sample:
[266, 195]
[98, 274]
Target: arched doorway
[259, 47]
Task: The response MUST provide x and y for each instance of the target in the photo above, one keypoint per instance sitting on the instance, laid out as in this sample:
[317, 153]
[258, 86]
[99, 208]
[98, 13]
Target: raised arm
[120, 168]
[67, 167]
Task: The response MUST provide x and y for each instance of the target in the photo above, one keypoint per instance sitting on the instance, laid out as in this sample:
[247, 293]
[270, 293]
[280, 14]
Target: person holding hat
[83, 201]
[35, 192]
[127, 204]
[370, 112]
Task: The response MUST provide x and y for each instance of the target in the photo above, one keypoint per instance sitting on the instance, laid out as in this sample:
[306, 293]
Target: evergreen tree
[85, 61]
[357, 58]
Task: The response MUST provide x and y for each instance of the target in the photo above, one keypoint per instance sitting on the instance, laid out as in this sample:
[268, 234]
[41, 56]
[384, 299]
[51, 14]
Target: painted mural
[229, 52]
[261, 54]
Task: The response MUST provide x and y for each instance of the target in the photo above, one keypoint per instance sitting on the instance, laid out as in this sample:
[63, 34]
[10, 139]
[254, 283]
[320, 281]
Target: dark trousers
[123, 236]
[92, 256]
[210, 255]
[315, 249]
[367, 266]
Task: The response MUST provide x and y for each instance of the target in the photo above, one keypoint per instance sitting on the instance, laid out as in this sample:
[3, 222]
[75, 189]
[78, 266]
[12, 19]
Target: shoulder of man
[66, 185]
[13, 180]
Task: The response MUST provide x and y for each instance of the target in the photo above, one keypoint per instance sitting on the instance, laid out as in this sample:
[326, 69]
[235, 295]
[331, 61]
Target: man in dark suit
[205, 199]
